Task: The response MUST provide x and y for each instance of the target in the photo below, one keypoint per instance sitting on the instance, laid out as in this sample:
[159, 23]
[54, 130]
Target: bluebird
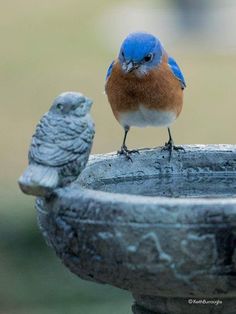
[144, 87]
[60, 146]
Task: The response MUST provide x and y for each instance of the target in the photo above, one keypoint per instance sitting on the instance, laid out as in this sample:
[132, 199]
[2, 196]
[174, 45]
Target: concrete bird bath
[165, 231]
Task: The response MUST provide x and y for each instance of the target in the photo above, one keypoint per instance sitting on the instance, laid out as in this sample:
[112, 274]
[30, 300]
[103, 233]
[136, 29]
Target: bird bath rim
[151, 246]
[89, 182]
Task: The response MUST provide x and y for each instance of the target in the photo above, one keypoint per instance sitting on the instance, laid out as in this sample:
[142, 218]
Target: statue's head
[71, 103]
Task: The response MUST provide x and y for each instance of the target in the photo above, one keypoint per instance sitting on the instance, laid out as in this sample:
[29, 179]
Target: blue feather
[176, 71]
[110, 70]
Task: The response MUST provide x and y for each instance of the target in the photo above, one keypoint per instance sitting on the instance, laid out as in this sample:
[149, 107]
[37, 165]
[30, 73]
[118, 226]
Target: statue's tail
[39, 180]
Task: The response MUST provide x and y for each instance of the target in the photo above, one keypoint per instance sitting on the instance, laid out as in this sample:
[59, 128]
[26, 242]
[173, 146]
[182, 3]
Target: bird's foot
[170, 147]
[126, 152]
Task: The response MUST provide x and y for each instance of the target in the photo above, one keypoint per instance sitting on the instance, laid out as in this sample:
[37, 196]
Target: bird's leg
[170, 145]
[124, 150]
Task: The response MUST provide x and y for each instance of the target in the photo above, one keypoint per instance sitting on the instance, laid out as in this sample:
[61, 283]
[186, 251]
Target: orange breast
[159, 90]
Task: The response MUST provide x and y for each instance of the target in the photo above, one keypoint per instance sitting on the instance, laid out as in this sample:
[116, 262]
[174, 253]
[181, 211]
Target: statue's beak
[89, 103]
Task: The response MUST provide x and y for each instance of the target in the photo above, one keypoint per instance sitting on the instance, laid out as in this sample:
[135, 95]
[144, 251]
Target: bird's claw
[170, 147]
[178, 148]
[126, 152]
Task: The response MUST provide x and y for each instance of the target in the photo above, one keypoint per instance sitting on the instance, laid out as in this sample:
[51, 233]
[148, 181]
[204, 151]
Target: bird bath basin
[165, 231]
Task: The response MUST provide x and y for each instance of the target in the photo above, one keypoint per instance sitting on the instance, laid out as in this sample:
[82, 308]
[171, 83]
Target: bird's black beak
[130, 66]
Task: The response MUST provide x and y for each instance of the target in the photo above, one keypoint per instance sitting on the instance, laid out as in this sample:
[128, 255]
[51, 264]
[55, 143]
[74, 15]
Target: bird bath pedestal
[165, 231]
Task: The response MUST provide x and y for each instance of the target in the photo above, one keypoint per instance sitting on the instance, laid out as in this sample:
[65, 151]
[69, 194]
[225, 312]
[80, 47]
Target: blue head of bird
[71, 103]
[139, 53]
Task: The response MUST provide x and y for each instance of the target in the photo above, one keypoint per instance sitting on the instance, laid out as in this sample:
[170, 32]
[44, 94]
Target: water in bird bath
[175, 186]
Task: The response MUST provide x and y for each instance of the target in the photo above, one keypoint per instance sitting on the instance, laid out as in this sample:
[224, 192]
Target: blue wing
[176, 71]
[109, 70]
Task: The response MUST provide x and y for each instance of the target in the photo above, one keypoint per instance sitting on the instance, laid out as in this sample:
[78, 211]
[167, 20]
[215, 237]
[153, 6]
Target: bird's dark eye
[59, 106]
[73, 107]
[148, 57]
[122, 53]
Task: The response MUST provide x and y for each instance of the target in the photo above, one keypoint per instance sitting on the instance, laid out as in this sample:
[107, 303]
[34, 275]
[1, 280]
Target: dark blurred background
[52, 46]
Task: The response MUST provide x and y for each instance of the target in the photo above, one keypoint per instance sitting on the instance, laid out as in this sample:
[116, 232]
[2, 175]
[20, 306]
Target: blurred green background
[52, 46]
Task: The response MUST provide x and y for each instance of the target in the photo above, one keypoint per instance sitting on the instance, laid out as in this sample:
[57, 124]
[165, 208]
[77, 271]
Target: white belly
[147, 117]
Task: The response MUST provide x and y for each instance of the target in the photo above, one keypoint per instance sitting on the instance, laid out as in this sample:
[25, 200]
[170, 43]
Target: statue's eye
[148, 57]
[73, 107]
[60, 106]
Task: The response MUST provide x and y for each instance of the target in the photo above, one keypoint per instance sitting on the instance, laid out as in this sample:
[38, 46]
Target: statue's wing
[60, 140]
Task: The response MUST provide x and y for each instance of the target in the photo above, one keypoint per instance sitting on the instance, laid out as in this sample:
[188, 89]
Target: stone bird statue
[144, 86]
[60, 146]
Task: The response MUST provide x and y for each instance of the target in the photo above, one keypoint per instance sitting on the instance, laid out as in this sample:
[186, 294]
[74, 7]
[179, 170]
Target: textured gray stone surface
[60, 146]
[165, 250]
